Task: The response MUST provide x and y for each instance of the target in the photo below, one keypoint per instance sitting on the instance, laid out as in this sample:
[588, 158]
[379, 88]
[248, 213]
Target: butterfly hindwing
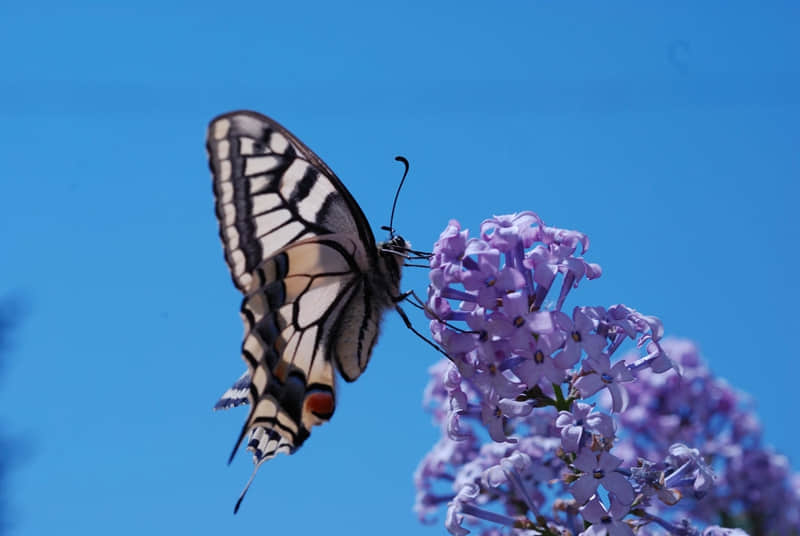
[289, 319]
[293, 320]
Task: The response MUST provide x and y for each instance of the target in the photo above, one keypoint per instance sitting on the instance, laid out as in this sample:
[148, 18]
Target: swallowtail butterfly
[315, 282]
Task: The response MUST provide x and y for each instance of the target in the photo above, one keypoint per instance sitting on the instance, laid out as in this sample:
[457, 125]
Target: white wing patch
[257, 165]
[269, 222]
[220, 128]
[226, 192]
[261, 183]
[265, 203]
[247, 146]
[223, 148]
[315, 301]
[225, 171]
[284, 234]
[278, 143]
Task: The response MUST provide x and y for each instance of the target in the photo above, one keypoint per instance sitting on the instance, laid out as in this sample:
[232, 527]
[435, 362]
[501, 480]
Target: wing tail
[244, 491]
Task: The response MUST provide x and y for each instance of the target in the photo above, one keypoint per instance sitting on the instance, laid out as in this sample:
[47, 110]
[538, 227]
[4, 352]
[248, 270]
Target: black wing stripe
[275, 293]
[304, 186]
[267, 331]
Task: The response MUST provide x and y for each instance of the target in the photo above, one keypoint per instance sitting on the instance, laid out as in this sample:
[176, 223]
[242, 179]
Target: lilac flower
[451, 245]
[447, 254]
[540, 363]
[691, 467]
[458, 403]
[599, 469]
[556, 255]
[436, 466]
[508, 471]
[606, 522]
[494, 411]
[682, 528]
[601, 374]
[506, 232]
[495, 378]
[455, 516]
[720, 531]
[465, 502]
[578, 425]
[631, 323]
[581, 335]
[490, 281]
[651, 482]
[435, 395]
[752, 484]
[517, 323]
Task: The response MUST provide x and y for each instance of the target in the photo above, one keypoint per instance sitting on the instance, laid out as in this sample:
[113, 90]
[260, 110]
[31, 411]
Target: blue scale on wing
[236, 395]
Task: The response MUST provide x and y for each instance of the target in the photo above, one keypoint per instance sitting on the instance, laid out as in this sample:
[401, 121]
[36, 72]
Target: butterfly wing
[301, 251]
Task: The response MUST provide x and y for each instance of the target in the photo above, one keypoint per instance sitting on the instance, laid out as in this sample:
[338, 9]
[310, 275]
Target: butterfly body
[315, 282]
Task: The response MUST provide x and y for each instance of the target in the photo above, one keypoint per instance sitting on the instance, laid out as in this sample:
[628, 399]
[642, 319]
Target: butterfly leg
[404, 296]
[417, 333]
[419, 304]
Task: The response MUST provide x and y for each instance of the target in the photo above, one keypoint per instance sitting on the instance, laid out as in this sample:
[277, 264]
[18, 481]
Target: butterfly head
[393, 254]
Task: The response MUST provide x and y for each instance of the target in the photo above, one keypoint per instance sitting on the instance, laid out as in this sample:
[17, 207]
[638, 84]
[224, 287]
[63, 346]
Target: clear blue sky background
[668, 133]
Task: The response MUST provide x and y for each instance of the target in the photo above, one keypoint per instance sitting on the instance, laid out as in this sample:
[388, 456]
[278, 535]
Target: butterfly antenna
[397, 194]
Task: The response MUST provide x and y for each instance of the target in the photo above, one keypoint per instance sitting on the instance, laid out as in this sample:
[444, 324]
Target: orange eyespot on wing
[320, 404]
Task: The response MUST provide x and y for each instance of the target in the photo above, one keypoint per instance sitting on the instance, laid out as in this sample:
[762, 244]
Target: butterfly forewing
[271, 190]
[315, 285]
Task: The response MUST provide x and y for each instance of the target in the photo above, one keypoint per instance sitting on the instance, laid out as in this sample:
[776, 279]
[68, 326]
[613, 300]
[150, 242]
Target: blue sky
[667, 133]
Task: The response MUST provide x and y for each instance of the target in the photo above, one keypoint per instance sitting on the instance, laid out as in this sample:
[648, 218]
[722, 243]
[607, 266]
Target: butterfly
[315, 282]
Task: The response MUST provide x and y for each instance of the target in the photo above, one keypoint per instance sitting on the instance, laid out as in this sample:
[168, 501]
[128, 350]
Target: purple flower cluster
[524, 446]
[755, 487]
